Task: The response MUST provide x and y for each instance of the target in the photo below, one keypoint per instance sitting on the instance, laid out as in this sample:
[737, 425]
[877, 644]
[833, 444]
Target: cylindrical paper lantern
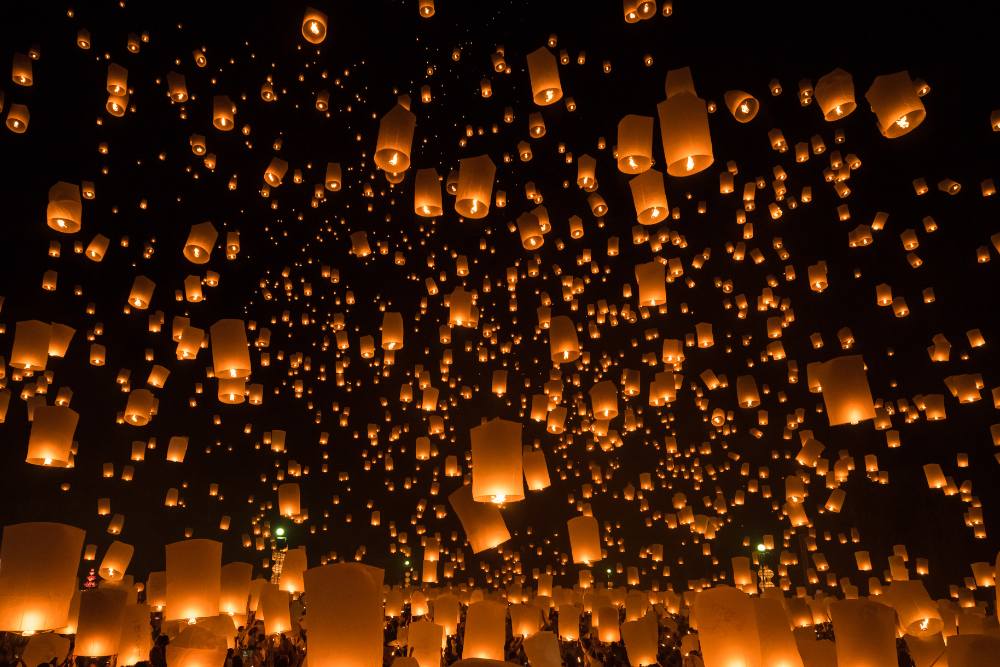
[193, 579]
[51, 439]
[345, 615]
[496, 462]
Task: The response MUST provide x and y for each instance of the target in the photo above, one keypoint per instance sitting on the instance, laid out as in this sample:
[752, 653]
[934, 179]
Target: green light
[280, 532]
[761, 548]
[406, 563]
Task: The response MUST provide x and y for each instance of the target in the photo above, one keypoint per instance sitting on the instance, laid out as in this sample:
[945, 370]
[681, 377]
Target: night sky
[151, 188]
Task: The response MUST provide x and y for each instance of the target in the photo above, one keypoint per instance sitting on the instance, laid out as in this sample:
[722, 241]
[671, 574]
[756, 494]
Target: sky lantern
[543, 71]
[345, 614]
[475, 187]
[395, 140]
[496, 462]
[193, 579]
[896, 105]
[484, 525]
[314, 26]
[835, 95]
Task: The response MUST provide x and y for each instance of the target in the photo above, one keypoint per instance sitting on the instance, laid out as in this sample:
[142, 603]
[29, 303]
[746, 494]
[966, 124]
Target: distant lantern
[194, 579]
[687, 141]
[543, 70]
[275, 172]
[635, 144]
[395, 140]
[649, 197]
[496, 462]
[426, 8]
[584, 539]
[38, 568]
[742, 105]
[314, 26]
[846, 393]
[345, 615]
[65, 210]
[333, 179]
[18, 117]
[483, 524]
[475, 187]
[427, 193]
[895, 103]
[835, 94]
[51, 439]
[200, 241]
[230, 349]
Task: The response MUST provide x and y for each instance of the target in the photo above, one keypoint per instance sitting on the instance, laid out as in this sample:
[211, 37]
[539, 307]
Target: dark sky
[377, 50]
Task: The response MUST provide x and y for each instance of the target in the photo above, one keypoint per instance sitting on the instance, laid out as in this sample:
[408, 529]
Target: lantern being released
[345, 615]
[194, 579]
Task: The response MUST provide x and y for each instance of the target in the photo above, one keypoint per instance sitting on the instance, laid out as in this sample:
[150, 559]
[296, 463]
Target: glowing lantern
[234, 588]
[727, 628]
[345, 615]
[743, 106]
[200, 241]
[563, 342]
[835, 95]
[896, 105]
[585, 539]
[193, 579]
[288, 500]
[314, 26]
[31, 345]
[485, 630]
[865, 631]
[392, 331]
[635, 144]
[649, 197]
[115, 561]
[546, 88]
[230, 349]
[273, 609]
[65, 209]
[475, 187]
[51, 439]
[427, 193]
[102, 611]
[687, 141]
[38, 566]
[395, 140]
[846, 394]
[484, 525]
[536, 472]
[496, 462]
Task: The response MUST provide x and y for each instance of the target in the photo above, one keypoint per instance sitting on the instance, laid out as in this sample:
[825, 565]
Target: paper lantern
[288, 500]
[530, 231]
[483, 524]
[649, 197]
[475, 187]
[641, 640]
[584, 539]
[31, 345]
[345, 615]
[895, 103]
[651, 281]
[604, 400]
[496, 462]
[425, 641]
[193, 579]
[743, 106]
[392, 331]
[846, 394]
[635, 144]
[99, 631]
[136, 639]
[234, 588]
[835, 95]
[485, 630]
[196, 646]
[865, 632]
[51, 439]
[223, 113]
[115, 561]
[427, 193]
[333, 179]
[65, 209]
[140, 407]
[918, 614]
[563, 342]
[395, 140]
[546, 88]
[273, 608]
[687, 141]
[18, 118]
[727, 628]
[777, 643]
[200, 241]
[314, 25]
[536, 472]
[293, 571]
[38, 566]
[426, 9]
[230, 349]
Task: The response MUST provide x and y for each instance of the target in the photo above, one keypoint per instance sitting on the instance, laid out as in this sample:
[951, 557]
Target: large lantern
[395, 140]
[102, 611]
[65, 209]
[727, 628]
[38, 565]
[845, 389]
[230, 349]
[687, 141]
[475, 187]
[895, 103]
[544, 73]
[865, 632]
[496, 462]
[649, 197]
[345, 615]
[200, 241]
[484, 525]
[314, 26]
[584, 539]
[835, 95]
[427, 193]
[194, 579]
[51, 439]
[485, 630]
[635, 144]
